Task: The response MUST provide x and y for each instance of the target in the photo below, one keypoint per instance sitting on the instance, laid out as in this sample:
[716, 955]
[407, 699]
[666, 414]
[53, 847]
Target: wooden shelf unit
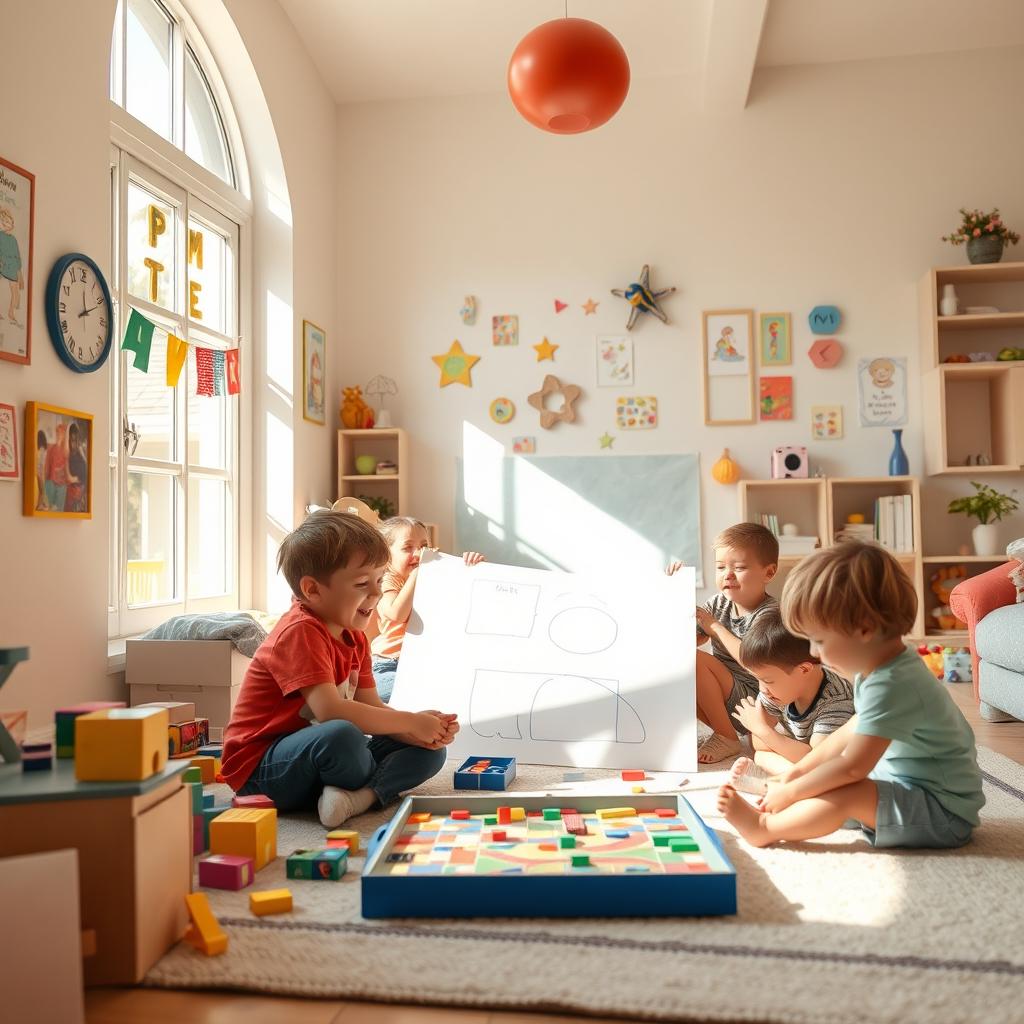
[820, 505]
[973, 409]
[386, 443]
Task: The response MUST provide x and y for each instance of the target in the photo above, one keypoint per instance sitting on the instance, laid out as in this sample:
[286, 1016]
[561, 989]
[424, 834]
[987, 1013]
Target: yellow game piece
[616, 812]
[270, 901]
[207, 765]
[352, 837]
[246, 832]
[518, 813]
[205, 932]
[120, 744]
[639, 789]
[419, 817]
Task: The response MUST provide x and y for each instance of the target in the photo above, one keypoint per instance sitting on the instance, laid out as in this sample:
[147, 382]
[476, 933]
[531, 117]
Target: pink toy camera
[789, 461]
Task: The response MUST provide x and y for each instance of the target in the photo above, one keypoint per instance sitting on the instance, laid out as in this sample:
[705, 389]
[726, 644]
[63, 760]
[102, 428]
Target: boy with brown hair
[800, 702]
[316, 664]
[746, 559]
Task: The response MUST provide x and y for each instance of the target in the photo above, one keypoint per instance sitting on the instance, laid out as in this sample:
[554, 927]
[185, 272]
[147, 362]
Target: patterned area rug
[830, 931]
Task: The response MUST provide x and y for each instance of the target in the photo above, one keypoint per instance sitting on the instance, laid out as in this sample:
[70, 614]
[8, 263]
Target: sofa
[987, 603]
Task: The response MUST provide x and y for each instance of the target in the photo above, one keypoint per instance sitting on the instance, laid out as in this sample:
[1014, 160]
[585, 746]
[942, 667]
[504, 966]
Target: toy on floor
[317, 865]
[270, 901]
[246, 832]
[485, 773]
[956, 665]
[226, 871]
[544, 859]
[342, 838]
[205, 932]
[932, 657]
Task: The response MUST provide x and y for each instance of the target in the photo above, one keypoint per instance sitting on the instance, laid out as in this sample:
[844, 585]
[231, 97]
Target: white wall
[834, 185]
[53, 574]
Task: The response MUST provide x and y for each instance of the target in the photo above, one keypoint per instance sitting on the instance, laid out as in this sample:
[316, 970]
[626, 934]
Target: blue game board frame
[711, 893]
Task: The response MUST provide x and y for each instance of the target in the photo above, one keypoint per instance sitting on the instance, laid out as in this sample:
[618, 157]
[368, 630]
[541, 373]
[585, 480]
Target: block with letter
[317, 865]
[64, 720]
[120, 744]
[226, 871]
[246, 832]
[187, 737]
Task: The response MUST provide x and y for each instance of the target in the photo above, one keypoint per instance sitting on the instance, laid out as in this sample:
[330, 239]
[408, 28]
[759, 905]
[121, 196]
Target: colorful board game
[517, 856]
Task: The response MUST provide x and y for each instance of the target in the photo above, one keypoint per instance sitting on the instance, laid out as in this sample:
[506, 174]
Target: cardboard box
[207, 673]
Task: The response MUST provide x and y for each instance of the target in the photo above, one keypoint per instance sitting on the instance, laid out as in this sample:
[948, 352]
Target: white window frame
[138, 150]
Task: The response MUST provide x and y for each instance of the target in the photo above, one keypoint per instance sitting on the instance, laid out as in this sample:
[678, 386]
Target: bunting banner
[217, 370]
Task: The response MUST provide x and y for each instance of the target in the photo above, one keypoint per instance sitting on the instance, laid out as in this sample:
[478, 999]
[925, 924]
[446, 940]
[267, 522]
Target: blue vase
[898, 464]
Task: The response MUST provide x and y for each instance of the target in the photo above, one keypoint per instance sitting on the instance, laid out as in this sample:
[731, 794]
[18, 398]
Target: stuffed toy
[355, 413]
[1016, 550]
[942, 584]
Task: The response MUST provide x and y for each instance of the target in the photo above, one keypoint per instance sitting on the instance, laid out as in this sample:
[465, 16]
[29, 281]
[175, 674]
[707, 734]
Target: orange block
[246, 832]
[270, 901]
[120, 744]
[205, 932]
[207, 768]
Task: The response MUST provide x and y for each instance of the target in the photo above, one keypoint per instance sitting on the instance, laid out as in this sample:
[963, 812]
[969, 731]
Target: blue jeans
[295, 768]
[384, 672]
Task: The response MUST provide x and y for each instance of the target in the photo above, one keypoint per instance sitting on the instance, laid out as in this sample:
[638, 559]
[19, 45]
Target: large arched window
[179, 230]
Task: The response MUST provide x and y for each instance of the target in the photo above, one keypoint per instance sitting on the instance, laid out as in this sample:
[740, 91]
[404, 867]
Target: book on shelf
[771, 522]
[894, 522]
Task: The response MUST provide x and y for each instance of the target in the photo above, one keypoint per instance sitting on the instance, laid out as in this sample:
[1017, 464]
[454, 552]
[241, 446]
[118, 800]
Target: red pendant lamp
[568, 76]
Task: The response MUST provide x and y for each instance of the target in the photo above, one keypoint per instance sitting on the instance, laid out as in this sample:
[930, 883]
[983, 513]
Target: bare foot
[742, 817]
[718, 748]
[747, 777]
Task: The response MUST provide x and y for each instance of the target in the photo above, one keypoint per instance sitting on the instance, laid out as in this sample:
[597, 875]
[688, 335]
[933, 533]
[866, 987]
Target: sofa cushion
[999, 637]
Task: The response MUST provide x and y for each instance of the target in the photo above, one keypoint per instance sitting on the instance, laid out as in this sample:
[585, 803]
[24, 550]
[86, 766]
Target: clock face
[83, 314]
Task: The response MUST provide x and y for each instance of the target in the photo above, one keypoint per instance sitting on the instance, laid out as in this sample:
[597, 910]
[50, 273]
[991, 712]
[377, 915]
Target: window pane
[209, 262]
[149, 526]
[149, 66]
[209, 421]
[204, 134]
[152, 226]
[209, 537]
[151, 403]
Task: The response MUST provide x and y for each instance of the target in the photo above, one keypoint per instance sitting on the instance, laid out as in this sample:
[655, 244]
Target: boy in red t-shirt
[316, 665]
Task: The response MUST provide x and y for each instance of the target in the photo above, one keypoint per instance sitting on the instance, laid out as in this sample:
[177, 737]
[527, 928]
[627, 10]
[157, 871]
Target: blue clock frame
[53, 312]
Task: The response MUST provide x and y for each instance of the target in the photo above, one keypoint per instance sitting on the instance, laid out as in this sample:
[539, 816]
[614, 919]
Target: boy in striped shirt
[800, 702]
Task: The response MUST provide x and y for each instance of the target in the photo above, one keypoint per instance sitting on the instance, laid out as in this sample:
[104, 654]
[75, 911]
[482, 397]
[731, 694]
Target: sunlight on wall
[483, 459]
[278, 352]
[280, 206]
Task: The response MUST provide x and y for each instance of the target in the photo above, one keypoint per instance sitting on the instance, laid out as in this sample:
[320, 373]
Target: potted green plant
[988, 506]
[985, 235]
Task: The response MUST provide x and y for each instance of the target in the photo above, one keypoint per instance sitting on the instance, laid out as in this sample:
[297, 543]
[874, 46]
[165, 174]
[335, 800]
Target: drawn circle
[583, 630]
[502, 410]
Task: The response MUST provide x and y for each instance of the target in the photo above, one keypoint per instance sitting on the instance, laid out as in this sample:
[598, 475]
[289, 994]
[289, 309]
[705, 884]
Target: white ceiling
[368, 50]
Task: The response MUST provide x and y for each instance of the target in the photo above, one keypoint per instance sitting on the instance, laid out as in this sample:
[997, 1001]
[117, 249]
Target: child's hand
[778, 797]
[473, 557]
[673, 568]
[754, 717]
[429, 729]
[451, 724]
[705, 619]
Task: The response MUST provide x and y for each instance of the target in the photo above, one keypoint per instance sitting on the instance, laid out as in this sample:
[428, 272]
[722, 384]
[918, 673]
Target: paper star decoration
[606, 440]
[455, 365]
[590, 306]
[552, 386]
[642, 299]
[560, 305]
[545, 350]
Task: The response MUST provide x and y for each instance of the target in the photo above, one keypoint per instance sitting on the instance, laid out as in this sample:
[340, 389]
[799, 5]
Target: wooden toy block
[206, 767]
[567, 842]
[573, 776]
[36, 760]
[64, 721]
[191, 774]
[246, 832]
[518, 813]
[209, 799]
[225, 871]
[552, 814]
[580, 860]
[498, 836]
[196, 793]
[665, 812]
[617, 833]
[548, 847]
[574, 824]
[504, 815]
[639, 789]
[420, 817]
[178, 711]
[616, 812]
[346, 834]
[317, 865]
[120, 744]
[185, 738]
[270, 901]
[459, 814]
[683, 846]
[633, 775]
[205, 933]
[209, 814]
[257, 800]
[489, 819]
[198, 835]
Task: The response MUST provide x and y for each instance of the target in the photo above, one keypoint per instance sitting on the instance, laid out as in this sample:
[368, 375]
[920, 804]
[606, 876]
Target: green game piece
[489, 820]
[552, 814]
[662, 839]
[192, 774]
[683, 846]
[567, 842]
[580, 860]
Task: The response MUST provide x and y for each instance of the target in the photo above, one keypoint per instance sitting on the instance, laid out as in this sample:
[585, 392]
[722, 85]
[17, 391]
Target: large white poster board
[556, 668]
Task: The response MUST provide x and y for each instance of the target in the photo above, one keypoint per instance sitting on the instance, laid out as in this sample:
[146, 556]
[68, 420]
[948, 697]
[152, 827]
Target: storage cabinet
[384, 444]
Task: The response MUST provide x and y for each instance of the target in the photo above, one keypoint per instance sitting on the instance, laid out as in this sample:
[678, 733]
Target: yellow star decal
[545, 350]
[606, 440]
[590, 306]
[455, 365]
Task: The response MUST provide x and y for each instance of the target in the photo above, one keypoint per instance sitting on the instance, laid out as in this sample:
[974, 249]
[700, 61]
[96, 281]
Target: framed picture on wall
[58, 462]
[314, 344]
[8, 442]
[17, 222]
[614, 360]
[727, 360]
[776, 339]
[882, 391]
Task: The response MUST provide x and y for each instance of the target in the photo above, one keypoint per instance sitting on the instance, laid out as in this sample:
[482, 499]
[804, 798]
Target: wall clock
[79, 313]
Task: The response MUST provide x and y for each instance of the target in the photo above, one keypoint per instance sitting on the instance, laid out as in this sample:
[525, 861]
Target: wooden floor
[154, 1006]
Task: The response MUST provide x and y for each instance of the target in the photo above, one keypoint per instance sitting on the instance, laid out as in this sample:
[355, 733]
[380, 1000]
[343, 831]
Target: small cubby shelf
[387, 443]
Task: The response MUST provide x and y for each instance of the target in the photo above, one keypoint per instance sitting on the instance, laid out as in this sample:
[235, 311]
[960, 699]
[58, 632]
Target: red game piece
[498, 836]
[633, 775]
[574, 824]
[549, 847]
[664, 812]
[459, 815]
[504, 815]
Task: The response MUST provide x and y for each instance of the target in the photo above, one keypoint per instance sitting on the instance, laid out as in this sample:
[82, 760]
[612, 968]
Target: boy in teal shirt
[905, 766]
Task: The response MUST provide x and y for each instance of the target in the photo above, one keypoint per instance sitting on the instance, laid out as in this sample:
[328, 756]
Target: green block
[662, 839]
[209, 813]
[490, 820]
[552, 814]
[197, 797]
[683, 846]
[192, 774]
[567, 842]
[317, 865]
[580, 860]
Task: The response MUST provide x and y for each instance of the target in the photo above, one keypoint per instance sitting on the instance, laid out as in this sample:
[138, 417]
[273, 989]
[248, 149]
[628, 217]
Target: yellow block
[270, 901]
[616, 812]
[208, 766]
[246, 832]
[518, 813]
[120, 744]
[345, 833]
[636, 789]
[205, 933]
